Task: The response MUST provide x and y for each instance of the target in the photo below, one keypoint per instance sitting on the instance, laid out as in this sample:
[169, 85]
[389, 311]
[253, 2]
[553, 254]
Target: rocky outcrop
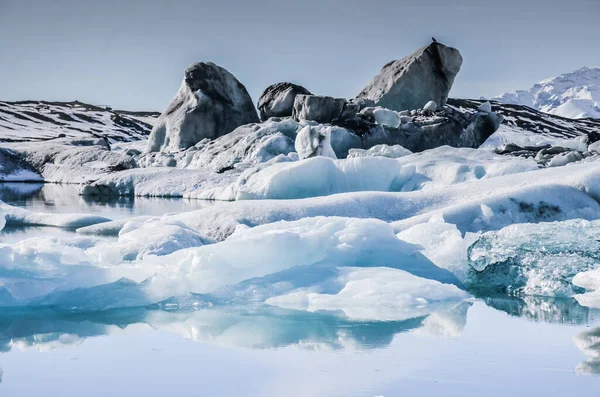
[410, 83]
[420, 130]
[322, 109]
[277, 100]
[210, 103]
[547, 155]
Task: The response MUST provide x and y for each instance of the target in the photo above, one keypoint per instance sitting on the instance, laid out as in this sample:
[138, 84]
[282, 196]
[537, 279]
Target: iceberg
[536, 259]
[381, 294]
[590, 281]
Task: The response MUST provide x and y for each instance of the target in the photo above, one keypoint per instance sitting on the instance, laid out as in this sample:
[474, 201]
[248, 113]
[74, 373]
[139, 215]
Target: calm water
[493, 346]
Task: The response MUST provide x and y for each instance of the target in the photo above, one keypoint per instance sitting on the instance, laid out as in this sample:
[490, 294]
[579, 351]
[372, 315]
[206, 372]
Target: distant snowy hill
[526, 126]
[574, 95]
[41, 120]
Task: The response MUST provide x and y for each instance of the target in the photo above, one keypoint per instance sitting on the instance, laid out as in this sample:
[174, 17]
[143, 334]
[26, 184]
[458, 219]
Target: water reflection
[589, 343]
[60, 198]
[544, 309]
[253, 328]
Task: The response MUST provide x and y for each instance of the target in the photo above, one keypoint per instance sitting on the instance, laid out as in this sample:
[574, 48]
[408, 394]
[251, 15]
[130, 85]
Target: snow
[40, 121]
[573, 95]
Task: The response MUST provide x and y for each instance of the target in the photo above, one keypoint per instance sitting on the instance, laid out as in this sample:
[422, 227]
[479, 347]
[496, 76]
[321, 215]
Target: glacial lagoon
[486, 345]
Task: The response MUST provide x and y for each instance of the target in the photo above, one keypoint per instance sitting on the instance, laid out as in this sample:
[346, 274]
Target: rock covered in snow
[314, 141]
[13, 167]
[322, 109]
[425, 75]
[277, 100]
[210, 103]
[68, 160]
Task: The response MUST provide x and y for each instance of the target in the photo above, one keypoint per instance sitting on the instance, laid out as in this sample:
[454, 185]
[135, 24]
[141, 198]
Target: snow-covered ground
[40, 120]
[573, 95]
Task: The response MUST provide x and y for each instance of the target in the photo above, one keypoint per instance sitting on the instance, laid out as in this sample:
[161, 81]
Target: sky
[131, 54]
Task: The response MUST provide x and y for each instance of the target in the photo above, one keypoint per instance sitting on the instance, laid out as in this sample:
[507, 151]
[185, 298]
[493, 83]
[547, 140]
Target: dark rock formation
[277, 100]
[210, 103]
[322, 109]
[425, 75]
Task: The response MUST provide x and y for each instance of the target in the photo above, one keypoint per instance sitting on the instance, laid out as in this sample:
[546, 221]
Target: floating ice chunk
[152, 237]
[379, 293]
[386, 117]
[36, 266]
[443, 244]
[589, 280]
[322, 176]
[394, 151]
[430, 106]
[275, 247]
[536, 259]
[21, 217]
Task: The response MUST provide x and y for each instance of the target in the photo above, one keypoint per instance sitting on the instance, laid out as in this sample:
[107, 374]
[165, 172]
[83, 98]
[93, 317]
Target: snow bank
[376, 294]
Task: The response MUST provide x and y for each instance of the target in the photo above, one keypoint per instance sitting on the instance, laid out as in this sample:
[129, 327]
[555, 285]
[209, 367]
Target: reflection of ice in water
[240, 327]
[58, 198]
[589, 343]
[543, 309]
[447, 323]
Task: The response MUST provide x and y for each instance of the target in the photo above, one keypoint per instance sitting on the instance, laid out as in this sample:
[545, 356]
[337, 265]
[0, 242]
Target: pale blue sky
[132, 53]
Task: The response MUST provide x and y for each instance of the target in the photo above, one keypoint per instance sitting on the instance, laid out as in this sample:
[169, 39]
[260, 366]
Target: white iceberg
[382, 294]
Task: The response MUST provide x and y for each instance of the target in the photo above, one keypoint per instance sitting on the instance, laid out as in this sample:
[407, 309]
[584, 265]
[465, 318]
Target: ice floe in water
[91, 273]
[376, 293]
[535, 259]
